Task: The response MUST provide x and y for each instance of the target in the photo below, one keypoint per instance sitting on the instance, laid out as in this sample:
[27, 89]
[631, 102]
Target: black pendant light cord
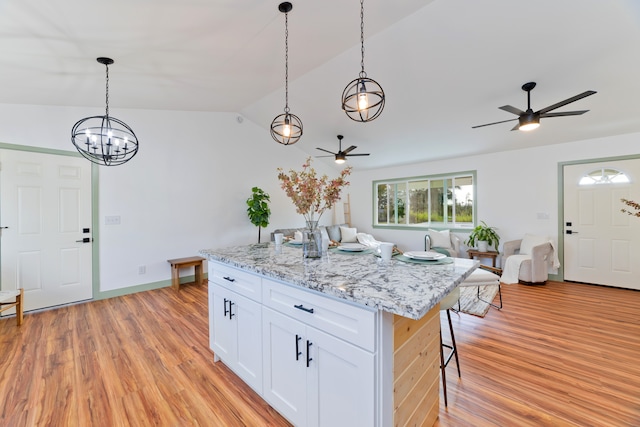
[286, 62]
[107, 91]
[362, 73]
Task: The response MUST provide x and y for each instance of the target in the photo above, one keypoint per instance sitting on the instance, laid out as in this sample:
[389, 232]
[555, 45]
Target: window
[445, 201]
[604, 176]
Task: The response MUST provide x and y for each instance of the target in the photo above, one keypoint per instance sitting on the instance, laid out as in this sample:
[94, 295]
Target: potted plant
[485, 236]
[258, 209]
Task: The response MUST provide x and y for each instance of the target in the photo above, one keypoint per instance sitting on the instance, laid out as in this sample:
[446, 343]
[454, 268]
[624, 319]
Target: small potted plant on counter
[485, 236]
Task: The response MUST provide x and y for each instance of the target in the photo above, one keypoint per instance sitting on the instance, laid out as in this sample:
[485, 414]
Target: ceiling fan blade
[565, 113]
[513, 110]
[353, 147]
[516, 127]
[358, 154]
[494, 123]
[333, 155]
[326, 151]
[567, 101]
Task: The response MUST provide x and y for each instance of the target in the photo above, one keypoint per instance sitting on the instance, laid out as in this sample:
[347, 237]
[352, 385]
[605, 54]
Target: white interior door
[601, 244]
[45, 209]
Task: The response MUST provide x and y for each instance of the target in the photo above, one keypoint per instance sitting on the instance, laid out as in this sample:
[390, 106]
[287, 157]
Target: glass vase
[312, 241]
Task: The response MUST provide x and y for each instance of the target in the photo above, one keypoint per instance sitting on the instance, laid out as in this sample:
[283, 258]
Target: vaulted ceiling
[445, 66]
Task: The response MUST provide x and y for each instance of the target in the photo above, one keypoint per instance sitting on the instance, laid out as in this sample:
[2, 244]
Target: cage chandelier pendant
[105, 140]
[363, 99]
[286, 128]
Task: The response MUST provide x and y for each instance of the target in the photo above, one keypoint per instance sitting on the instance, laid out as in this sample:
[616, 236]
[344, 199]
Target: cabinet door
[340, 383]
[222, 330]
[285, 366]
[247, 315]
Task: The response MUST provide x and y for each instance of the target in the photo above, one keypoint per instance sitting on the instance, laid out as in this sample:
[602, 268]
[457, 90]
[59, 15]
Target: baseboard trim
[144, 287]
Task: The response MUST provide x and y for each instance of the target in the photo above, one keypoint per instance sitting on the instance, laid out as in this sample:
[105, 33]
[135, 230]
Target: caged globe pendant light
[363, 98]
[105, 140]
[286, 128]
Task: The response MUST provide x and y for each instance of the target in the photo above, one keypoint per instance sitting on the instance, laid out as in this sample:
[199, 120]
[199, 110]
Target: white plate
[295, 242]
[425, 255]
[352, 247]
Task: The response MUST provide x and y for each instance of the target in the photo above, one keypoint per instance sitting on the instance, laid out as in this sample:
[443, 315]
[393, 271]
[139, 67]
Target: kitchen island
[343, 340]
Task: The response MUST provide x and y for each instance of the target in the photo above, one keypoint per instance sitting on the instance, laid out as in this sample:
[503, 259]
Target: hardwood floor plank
[557, 355]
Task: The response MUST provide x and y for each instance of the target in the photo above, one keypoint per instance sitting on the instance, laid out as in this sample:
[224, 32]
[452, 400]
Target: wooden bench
[178, 263]
[10, 299]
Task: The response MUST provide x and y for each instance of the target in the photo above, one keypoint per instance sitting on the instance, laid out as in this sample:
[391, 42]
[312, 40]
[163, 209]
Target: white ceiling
[445, 65]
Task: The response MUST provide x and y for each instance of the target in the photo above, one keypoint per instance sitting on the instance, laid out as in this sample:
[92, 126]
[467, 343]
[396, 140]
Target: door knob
[85, 240]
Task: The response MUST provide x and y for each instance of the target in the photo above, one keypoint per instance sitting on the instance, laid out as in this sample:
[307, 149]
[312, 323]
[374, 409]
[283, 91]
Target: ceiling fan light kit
[529, 120]
[363, 99]
[286, 128]
[104, 140]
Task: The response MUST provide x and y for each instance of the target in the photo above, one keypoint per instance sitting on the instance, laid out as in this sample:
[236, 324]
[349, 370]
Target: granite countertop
[402, 288]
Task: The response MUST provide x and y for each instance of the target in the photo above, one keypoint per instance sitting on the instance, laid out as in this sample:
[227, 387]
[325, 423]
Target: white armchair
[442, 241]
[530, 260]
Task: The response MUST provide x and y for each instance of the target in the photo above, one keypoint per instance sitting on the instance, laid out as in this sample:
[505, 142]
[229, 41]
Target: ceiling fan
[529, 120]
[341, 156]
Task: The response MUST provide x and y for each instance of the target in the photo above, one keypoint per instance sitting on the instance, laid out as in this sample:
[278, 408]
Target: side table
[490, 254]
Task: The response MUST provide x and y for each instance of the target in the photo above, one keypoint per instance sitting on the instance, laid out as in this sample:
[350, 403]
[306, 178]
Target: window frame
[430, 225]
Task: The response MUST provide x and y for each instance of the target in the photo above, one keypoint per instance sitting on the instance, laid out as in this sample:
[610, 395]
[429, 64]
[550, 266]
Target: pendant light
[363, 98]
[286, 128]
[105, 140]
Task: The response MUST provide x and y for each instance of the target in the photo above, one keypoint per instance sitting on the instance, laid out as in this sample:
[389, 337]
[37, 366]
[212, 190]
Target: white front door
[601, 244]
[45, 212]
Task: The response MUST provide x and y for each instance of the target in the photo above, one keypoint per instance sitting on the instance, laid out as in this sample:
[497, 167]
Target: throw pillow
[334, 232]
[348, 235]
[439, 239]
[529, 241]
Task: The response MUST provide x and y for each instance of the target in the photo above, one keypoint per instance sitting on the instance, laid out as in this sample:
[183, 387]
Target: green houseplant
[258, 209]
[483, 233]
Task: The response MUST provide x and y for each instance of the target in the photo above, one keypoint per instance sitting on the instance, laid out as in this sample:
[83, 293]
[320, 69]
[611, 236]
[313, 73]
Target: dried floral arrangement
[312, 195]
[631, 204]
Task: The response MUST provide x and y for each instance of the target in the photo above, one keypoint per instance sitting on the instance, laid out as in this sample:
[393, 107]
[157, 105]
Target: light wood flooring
[556, 355]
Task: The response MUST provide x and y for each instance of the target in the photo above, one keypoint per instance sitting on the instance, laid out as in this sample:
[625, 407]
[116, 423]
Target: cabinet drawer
[245, 284]
[339, 318]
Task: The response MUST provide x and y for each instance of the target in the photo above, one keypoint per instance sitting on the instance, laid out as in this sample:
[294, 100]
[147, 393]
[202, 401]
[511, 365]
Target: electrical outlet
[112, 220]
[142, 269]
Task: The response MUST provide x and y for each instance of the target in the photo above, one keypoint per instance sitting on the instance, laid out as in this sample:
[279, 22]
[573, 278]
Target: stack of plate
[352, 247]
[425, 255]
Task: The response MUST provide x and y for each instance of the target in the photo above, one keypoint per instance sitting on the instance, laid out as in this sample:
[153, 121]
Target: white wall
[184, 191]
[512, 187]
[186, 188]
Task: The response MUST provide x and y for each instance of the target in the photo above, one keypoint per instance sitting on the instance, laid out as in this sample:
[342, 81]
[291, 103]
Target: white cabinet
[313, 378]
[235, 332]
[310, 356]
